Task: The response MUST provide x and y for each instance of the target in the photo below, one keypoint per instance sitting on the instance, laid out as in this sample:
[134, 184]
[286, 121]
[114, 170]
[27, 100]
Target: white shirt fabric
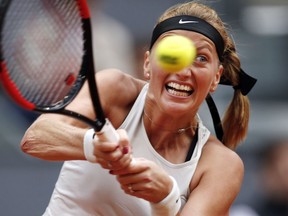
[84, 188]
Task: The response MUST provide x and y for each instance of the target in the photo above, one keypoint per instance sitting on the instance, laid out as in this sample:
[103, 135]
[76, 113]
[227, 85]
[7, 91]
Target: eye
[201, 59]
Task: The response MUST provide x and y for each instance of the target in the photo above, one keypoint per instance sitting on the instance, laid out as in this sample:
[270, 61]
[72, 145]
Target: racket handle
[108, 133]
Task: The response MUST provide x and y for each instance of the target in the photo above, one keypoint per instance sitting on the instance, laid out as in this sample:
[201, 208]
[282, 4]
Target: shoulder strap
[215, 117]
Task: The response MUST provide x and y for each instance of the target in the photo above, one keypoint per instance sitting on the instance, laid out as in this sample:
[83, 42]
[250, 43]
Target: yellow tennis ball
[174, 53]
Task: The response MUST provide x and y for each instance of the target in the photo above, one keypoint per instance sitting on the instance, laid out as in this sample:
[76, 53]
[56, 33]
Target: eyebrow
[206, 45]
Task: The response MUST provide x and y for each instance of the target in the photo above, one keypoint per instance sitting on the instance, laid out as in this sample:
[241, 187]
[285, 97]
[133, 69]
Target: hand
[113, 156]
[144, 179]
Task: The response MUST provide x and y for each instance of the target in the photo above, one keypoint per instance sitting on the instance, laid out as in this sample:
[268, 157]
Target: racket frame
[87, 72]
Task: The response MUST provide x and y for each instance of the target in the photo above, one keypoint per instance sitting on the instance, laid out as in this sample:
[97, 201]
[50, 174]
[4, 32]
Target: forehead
[199, 39]
[189, 23]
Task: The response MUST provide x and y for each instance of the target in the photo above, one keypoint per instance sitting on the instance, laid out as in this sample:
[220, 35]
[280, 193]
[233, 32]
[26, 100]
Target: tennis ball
[174, 53]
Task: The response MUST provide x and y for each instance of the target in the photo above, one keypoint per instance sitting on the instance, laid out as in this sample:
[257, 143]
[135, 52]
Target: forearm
[51, 139]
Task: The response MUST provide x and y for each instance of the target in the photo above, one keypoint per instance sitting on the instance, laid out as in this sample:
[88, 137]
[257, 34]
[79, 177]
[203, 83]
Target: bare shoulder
[221, 166]
[219, 175]
[217, 150]
[118, 92]
[111, 81]
[118, 86]
[217, 158]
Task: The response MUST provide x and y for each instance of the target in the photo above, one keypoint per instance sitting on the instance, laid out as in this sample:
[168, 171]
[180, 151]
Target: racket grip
[108, 133]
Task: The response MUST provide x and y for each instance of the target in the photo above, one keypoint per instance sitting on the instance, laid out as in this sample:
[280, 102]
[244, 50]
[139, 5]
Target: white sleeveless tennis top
[84, 188]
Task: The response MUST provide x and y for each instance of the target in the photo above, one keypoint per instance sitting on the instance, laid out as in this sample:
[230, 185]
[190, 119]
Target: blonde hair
[236, 117]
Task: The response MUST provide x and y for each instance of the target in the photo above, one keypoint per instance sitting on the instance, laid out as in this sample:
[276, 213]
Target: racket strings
[42, 43]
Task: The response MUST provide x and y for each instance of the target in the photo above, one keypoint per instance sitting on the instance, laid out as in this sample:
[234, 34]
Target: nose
[185, 73]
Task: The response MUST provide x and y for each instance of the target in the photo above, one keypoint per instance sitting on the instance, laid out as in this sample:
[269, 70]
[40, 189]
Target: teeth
[177, 93]
[179, 90]
[177, 86]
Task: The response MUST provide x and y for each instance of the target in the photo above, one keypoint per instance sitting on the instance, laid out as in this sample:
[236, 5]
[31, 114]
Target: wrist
[170, 205]
[88, 146]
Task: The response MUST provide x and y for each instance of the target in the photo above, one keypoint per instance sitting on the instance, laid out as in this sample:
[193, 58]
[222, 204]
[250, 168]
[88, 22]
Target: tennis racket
[46, 56]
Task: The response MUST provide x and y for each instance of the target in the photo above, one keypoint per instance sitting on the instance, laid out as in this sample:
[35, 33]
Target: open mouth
[178, 89]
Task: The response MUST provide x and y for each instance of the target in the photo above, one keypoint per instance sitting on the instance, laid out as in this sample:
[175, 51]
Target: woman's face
[185, 90]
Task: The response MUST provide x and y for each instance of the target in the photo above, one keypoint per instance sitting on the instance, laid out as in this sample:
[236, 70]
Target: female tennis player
[166, 161]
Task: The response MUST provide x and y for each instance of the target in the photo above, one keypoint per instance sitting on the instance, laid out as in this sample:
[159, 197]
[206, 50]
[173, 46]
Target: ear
[146, 65]
[216, 80]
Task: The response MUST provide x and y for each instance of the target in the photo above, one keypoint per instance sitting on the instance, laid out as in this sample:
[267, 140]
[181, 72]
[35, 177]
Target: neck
[167, 141]
[163, 126]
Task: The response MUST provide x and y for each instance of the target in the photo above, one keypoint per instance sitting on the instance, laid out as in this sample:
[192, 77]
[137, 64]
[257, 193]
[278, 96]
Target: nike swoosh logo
[188, 21]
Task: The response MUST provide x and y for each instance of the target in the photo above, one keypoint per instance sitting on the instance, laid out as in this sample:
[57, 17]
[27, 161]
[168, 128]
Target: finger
[122, 163]
[137, 186]
[131, 189]
[114, 155]
[136, 165]
[104, 146]
[124, 142]
[129, 169]
[113, 151]
[106, 150]
[104, 163]
[112, 165]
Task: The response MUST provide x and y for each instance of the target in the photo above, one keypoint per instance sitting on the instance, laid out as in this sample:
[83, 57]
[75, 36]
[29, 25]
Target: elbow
[31, 143]
[28, 142]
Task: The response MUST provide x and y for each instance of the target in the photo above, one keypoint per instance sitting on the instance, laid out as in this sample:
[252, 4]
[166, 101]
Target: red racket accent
[12, 89]
[70, 79]
[83, 8]
[46, 55]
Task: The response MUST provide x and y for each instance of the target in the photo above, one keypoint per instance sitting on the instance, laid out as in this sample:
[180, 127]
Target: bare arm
[214, 186]
[57, 137]
[49, 138]
[217, 182]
